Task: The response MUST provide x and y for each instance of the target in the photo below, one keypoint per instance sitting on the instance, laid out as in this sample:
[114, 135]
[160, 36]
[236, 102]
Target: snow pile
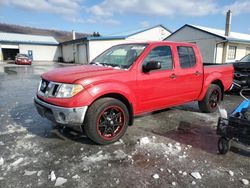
[148, 144]
[17, 162]
[60, 181]
[231, 173]
[29, 173]
[52, 176]
[117, 181]
[245, 181]
[100, 156]
[76, 176]
[196, 175]
[119, 142]
[39, 173]
[97, 157]
[144, 141]
[1, 143]
[1, 161]
[156, 176]
[119, 155]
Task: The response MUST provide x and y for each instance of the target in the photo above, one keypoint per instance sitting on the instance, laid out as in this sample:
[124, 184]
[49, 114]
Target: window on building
[161, 54]
[247, 50]
[231, 52]
[186, 56]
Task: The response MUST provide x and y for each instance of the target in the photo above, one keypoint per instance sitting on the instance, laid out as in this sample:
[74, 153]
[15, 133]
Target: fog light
[62, 116]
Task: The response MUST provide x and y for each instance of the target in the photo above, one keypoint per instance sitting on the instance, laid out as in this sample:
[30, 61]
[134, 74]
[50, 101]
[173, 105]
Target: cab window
[161, 54]
[186, 56]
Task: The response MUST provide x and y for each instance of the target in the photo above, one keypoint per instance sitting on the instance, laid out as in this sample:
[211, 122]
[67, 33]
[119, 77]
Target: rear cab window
[162, 54]
[186, 56]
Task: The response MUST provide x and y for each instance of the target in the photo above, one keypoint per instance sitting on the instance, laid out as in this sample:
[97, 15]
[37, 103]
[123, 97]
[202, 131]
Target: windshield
[121, 56]
[246, 58]
[21, 55]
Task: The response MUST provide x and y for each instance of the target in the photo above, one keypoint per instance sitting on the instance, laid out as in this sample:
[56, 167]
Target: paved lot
[170, 144]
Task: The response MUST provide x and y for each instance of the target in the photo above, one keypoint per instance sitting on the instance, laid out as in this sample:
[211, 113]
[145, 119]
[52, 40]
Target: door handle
[173, 76]
[197, 73]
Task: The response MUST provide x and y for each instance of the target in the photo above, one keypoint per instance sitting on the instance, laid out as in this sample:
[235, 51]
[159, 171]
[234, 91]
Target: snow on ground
[150, 145]
[15, 128]
[101, 156]
[206, 117]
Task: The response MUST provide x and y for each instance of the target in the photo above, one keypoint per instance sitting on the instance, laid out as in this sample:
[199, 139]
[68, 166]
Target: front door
[159, 88]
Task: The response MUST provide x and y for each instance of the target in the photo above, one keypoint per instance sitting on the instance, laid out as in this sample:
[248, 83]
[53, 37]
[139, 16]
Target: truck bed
[222, 71]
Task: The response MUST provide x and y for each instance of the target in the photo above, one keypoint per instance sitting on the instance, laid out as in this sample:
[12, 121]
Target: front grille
[48, 89]
[55, 89]
[44, 85]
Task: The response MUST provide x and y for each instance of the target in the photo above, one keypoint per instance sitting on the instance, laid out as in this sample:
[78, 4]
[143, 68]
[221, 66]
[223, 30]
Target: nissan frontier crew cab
[127, 80]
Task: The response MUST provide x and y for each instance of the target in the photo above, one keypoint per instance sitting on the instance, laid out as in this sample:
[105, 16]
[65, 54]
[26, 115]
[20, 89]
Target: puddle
[200, 136]
[17, 70]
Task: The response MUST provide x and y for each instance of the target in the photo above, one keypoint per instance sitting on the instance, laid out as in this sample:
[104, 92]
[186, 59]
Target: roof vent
[228, 23]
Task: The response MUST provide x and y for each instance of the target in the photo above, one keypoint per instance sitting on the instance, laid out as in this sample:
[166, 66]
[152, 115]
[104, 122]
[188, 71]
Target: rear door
[190, 72]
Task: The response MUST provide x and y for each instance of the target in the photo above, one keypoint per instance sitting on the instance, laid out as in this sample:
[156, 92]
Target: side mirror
[151, 65]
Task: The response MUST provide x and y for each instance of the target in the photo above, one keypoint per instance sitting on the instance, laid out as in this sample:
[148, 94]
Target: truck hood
[72, 74]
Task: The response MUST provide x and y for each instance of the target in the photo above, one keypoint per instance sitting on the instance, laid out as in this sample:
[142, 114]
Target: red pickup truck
[127, 80]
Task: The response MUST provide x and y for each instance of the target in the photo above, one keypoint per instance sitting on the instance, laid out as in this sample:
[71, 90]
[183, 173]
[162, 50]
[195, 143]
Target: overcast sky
[117, 16]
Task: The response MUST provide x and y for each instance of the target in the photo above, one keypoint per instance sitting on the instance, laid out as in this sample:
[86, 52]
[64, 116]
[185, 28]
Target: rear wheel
[106, 121]
[223, 145]
[211, 100]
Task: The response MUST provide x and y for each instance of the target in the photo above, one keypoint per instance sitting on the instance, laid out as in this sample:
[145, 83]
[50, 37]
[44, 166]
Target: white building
[215, 46]
[39, 48]
[86, 49]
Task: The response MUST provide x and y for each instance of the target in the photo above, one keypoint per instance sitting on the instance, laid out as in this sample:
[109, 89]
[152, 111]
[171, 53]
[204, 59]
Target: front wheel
[106, 121]
[212, 99]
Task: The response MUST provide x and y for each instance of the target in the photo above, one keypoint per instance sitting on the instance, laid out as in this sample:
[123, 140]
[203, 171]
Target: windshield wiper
[111, 64]
[96, 63]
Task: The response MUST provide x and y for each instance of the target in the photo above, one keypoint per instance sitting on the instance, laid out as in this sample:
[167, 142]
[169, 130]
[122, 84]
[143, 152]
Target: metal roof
[93, 39]
[233, 37]
[113, 37]
[27, 39]
[141, 30]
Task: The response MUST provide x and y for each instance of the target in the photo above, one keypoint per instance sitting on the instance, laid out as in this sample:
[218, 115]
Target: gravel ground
[176, 147]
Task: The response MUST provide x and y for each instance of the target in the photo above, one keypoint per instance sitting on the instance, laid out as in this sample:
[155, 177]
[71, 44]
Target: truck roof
[162, 42]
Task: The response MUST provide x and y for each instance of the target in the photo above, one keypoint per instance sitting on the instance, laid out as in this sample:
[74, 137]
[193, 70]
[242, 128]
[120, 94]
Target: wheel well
[125, 101]
[219, 83]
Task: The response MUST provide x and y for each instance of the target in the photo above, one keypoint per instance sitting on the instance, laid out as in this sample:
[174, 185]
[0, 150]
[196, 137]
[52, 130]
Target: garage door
[82, 54]
[9, 51]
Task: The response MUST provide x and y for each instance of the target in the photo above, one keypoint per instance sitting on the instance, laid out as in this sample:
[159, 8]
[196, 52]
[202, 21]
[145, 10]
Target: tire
[211, 100]
[223, 145]
[106, 121]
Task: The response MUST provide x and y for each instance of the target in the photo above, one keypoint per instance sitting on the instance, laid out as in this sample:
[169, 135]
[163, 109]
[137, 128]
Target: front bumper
[70, 117]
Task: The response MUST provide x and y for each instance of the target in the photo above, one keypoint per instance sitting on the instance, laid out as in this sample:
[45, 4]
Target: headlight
[68, 90]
